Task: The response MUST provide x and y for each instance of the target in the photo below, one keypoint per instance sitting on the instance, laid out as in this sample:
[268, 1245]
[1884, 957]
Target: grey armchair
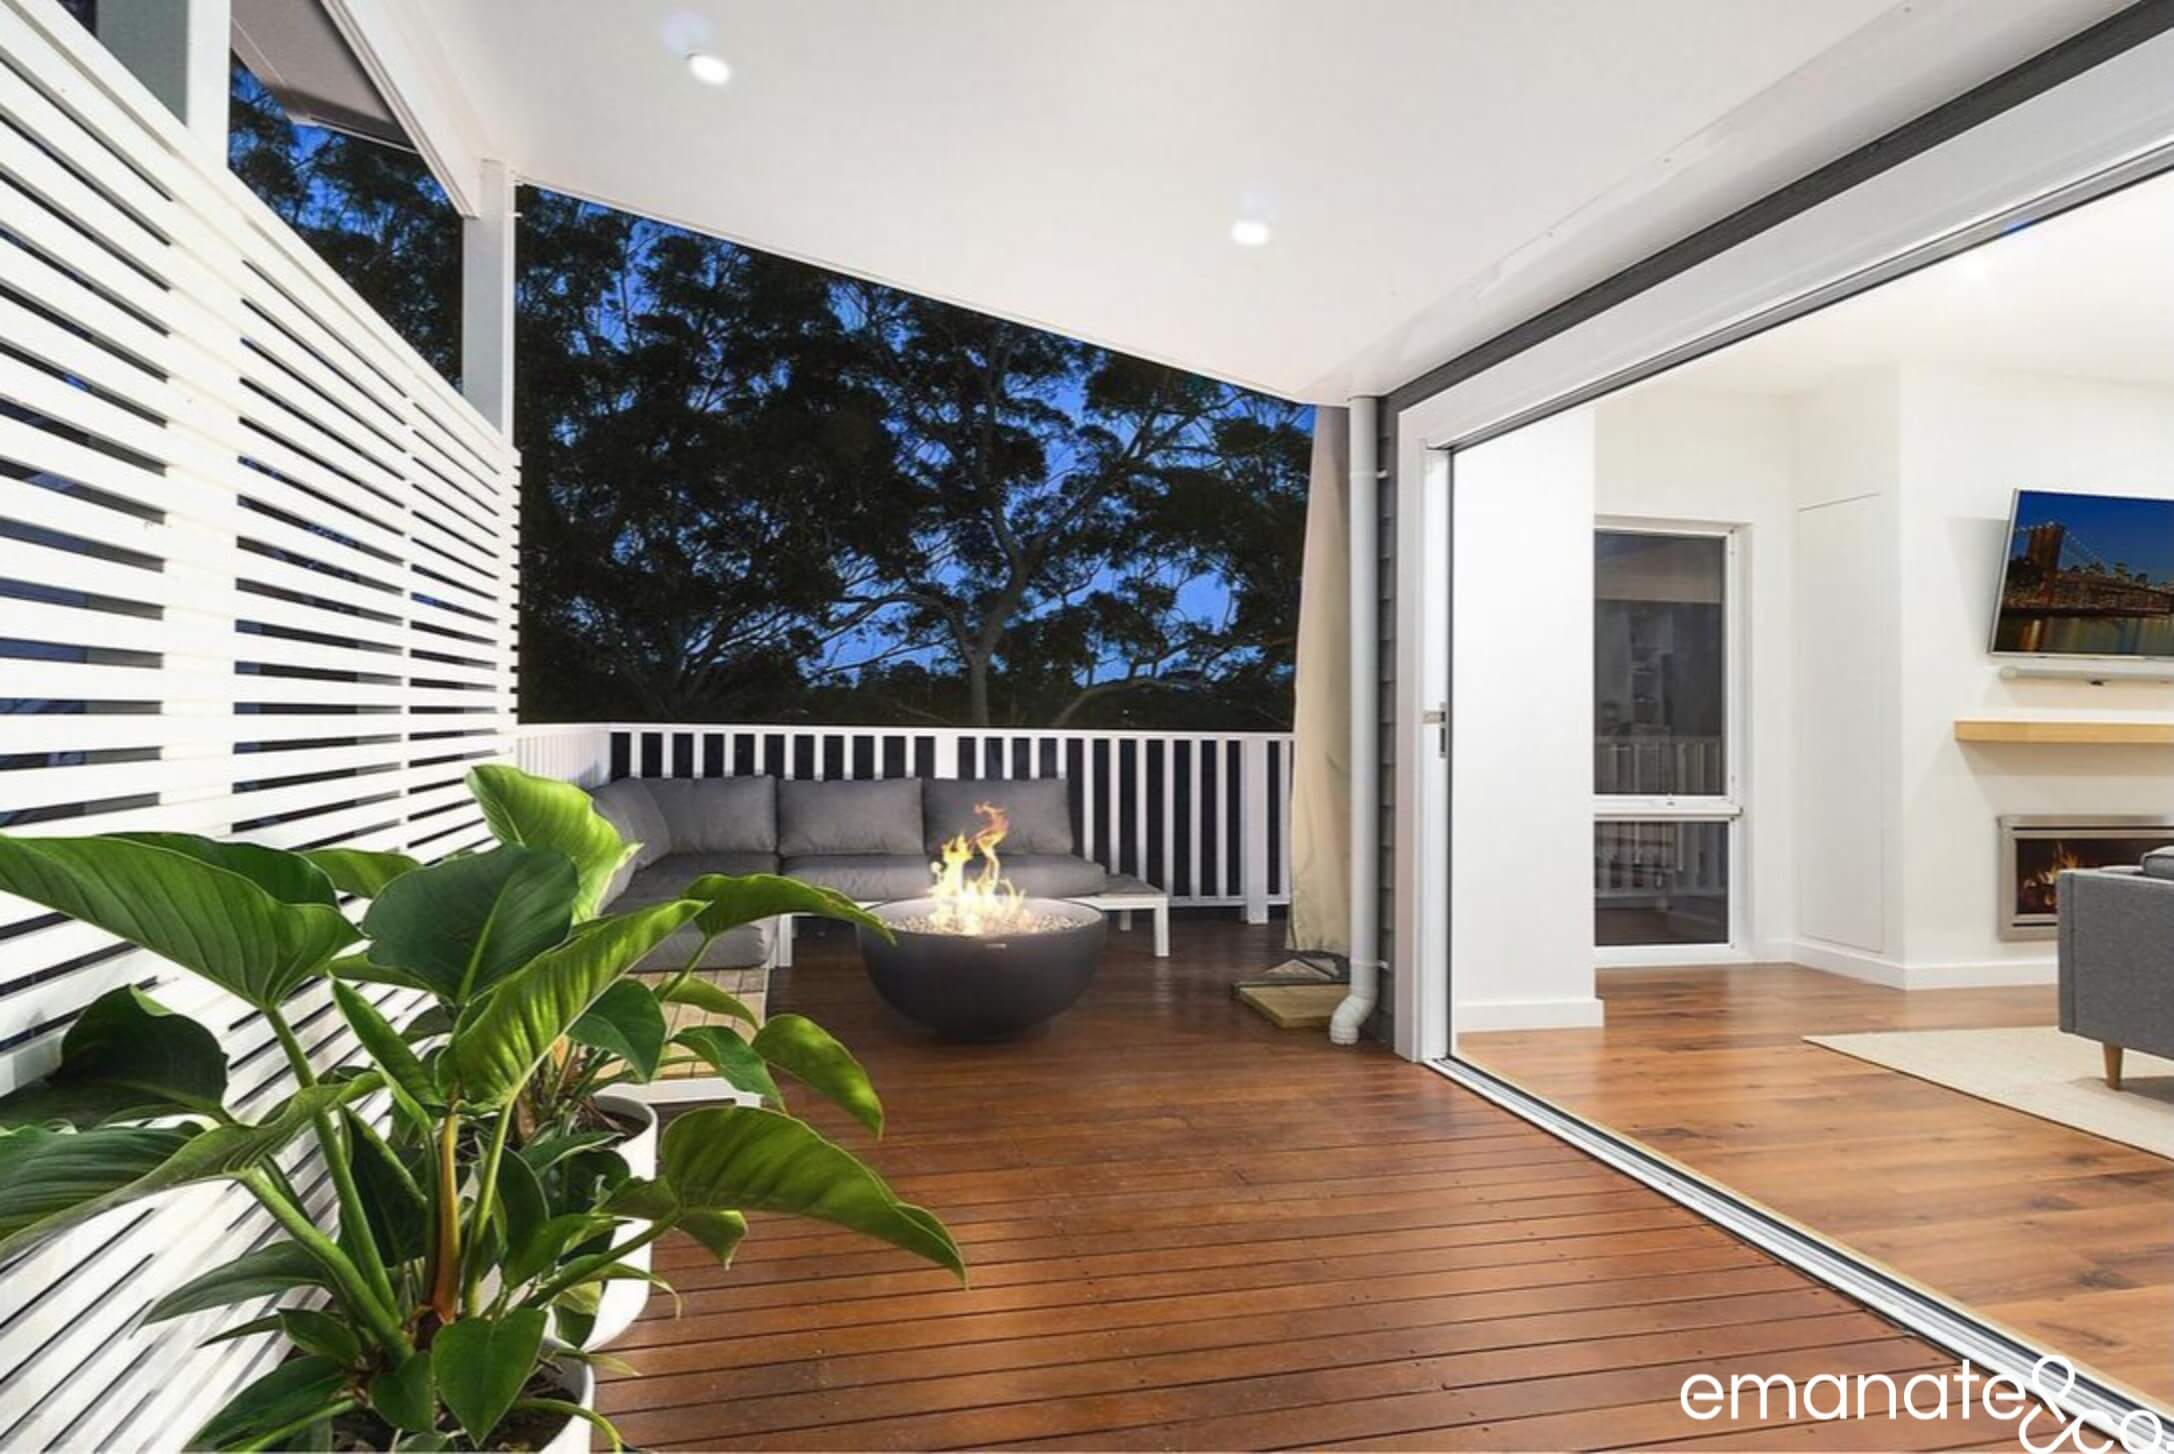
[2117, 958]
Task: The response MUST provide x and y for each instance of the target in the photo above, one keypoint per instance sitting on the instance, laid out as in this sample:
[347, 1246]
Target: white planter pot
[623, 1299]
[580, 1381]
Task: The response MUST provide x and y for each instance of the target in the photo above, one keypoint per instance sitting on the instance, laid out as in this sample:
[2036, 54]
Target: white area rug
[2043, 1071]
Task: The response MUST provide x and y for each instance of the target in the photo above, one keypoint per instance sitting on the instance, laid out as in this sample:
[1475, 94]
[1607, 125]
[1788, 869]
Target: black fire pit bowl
[983, 988]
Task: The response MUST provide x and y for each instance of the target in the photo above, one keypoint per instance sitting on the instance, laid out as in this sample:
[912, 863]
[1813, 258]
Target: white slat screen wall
[257, 578]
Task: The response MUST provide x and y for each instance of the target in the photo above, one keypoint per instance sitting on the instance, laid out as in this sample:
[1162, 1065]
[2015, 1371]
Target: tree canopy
[757, 490]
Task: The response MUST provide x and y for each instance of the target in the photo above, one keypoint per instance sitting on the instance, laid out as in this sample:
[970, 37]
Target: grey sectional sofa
[870, 840]
[2117, 957]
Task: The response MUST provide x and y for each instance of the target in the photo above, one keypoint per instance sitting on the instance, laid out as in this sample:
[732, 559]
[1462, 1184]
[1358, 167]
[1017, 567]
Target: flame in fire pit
[988, 903]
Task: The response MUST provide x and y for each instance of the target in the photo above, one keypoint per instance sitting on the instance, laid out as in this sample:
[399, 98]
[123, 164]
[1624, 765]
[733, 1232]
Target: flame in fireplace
[987, 903]
[2039, 893]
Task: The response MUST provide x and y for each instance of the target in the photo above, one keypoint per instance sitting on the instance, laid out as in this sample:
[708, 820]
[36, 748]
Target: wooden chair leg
[2113, 1066]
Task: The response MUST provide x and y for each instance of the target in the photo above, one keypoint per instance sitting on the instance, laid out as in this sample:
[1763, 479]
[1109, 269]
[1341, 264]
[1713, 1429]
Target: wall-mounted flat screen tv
[2087, 576]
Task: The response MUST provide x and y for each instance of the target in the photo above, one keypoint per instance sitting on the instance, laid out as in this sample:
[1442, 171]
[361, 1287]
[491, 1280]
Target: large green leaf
[494, 1051]
[289, 1393]
[315, 1331]
[720, 1232]
[724, 1158]
[50, 1180]
[462, 925]
[266, 1272]
[405, 1076]
[406, 1397]
[806, 1051]
[359, 871]
[172, 896]
[700, 993]
[627, 1022]
[126, 1058]
[288, 877]
[395, 1209]
[734, 1060]
[540, 812]
[357, 969]
[480, 1365]
[736, 899]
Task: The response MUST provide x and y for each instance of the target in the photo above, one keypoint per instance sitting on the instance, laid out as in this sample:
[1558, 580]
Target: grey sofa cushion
[662, 881]
[870, 877]
[2159, 863]
[719, 814]
[849, 817]
[627, 806]
[1040, 810]
[1052, 875]
[665, 878]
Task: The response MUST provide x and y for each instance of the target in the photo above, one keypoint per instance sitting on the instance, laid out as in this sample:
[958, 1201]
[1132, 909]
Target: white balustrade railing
[1683, 767]
[1204, 816]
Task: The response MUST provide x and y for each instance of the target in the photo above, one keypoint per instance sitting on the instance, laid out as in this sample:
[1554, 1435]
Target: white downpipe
[1362, 496]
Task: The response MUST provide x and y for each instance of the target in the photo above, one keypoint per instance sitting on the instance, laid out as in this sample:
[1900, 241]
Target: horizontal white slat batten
[453, 525]
[303, 471]
[208, 777]
[450, 469]
[481, 572]
[98, 731]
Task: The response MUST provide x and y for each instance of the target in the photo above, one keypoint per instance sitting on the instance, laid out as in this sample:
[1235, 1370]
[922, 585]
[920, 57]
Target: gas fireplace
[2036, 850]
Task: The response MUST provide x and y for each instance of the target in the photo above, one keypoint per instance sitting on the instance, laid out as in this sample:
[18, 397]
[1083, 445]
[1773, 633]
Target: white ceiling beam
[405, 64]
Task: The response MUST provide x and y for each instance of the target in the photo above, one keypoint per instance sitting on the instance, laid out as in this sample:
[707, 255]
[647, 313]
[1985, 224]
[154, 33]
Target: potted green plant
[623, 1039]
[427, 1308]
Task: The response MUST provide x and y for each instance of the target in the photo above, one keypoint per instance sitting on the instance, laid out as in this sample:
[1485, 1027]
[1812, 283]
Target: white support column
[1253, 824]
[179, 49]
[486, 299]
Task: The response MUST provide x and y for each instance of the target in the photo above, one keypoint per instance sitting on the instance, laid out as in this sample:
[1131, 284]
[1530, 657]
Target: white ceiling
[2087, 294]
[1433, 170]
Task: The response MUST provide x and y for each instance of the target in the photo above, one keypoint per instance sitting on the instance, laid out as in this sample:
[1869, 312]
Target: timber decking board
[2058, 1235]
[1191, 1230]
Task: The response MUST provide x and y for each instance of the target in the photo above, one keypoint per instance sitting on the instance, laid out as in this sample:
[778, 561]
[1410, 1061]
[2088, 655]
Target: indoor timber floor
[2059, 1235]
[1189, 1230]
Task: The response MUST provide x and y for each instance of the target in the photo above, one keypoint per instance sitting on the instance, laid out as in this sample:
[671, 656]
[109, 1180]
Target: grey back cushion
[2159, 863]
[849, 817]
[719, 814]
[1040, 810]
[627, 806]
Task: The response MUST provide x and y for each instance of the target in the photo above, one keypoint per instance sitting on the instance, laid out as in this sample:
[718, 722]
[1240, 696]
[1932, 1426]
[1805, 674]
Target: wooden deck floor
[1191, 1231]
[2065, 1238]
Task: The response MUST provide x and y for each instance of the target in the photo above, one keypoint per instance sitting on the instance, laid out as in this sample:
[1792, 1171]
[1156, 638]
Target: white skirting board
[1880, 970]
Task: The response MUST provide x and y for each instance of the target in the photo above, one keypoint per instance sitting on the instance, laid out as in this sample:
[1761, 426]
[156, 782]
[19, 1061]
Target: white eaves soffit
[1429, 172]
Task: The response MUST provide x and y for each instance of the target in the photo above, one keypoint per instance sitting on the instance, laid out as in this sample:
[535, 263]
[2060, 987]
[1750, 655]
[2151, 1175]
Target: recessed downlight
[1249, 232]
[710, 70]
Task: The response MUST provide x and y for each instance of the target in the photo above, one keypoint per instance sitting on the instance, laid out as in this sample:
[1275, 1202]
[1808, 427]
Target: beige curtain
[1321, 767]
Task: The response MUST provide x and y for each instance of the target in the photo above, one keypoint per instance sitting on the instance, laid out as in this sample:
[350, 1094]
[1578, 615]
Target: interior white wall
[1844, 461]
[1968, 439]
[1667, 453]
[1521, 899]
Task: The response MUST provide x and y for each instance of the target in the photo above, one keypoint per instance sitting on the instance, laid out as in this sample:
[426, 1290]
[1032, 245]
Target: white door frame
[2108, 126]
